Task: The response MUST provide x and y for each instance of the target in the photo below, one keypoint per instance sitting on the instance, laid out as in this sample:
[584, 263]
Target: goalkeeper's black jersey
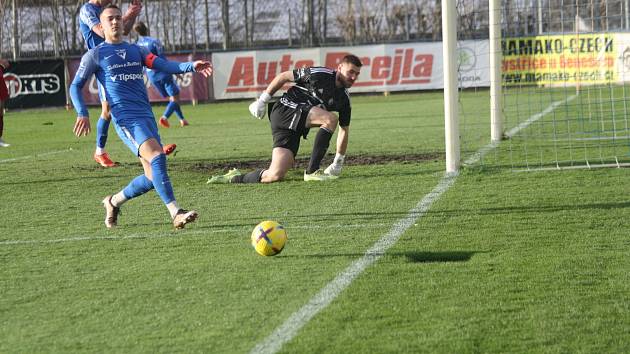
[316, 86]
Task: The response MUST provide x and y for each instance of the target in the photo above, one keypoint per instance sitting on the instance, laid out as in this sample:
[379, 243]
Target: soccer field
[496, 262]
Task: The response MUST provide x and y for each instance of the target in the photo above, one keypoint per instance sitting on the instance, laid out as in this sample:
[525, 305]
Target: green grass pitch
[502, 262]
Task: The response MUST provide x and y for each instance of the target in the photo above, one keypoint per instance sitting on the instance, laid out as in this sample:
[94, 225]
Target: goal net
[563, 84]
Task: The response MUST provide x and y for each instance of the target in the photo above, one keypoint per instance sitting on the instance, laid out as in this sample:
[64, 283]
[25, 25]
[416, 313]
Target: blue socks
[170, 108]
[137, 187]
[141, 184]
[102, 126]
[173, 107]
[161, 182]
[178, 111]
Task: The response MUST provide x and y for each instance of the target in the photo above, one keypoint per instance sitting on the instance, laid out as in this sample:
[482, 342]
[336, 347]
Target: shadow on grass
[438, 257]
[414, 257]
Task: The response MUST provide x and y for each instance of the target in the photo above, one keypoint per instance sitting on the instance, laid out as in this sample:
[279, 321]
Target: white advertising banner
[474, 63]
[386, 67]
[622, 41]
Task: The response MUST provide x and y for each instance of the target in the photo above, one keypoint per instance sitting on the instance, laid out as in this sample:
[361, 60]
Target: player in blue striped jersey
[163, 82]
[90, 27]
[118, 66]
[317, 92]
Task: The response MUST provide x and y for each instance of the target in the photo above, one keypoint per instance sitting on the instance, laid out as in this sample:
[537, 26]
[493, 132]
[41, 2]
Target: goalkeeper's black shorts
[288, 124]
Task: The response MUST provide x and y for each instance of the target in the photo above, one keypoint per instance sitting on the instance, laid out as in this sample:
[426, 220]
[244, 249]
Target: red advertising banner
[386, 67]
[193, 87]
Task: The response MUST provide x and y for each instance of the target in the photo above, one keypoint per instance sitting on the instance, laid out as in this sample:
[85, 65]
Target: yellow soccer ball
[269, 238]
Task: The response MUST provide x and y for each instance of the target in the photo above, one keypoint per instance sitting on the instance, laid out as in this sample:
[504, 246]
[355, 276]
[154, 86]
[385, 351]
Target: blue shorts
[166, 87]
[135, 132]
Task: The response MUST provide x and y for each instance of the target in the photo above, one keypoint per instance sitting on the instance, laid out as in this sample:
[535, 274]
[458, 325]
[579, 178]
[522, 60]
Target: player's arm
[86, 69]
[152, 61]
[257, 108]
[342, 145]
[342, 142]
[129, 18]
[278, 82]
[91, 19]
[157, 48]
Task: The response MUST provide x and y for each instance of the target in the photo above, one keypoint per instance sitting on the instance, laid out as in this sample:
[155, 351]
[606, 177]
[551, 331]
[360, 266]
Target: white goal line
[36, 155]
[512, 132]
[188, 232]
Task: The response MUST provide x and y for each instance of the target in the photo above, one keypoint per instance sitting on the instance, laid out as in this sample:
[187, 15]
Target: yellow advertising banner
[575, 59]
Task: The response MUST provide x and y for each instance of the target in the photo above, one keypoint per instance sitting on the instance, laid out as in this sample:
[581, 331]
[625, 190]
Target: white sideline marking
[474, 158]
[537, 116]
[34, 156]
[283, 334]
[195, 232]
[596, 138]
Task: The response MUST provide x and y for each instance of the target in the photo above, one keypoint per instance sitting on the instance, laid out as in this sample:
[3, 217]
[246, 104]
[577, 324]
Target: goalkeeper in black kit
[317, 92]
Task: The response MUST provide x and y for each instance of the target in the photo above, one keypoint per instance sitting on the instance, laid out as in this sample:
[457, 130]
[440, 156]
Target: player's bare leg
[281, 161]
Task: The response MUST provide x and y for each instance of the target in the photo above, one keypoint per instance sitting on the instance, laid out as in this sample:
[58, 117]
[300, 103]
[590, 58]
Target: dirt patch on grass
[302, 162]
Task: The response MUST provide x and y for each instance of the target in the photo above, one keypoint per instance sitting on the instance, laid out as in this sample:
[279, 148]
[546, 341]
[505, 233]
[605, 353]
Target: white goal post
[451, 105]
[451, 89]
[496, 120]
[558, 95]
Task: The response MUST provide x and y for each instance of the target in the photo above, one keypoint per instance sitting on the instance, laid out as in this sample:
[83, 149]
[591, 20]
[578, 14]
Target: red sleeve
[4, 92]
[148, 61]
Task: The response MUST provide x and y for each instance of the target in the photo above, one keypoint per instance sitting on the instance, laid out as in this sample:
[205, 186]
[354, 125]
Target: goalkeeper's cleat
[169, 148]
[164, 122]
[334, 170]
[183, 123]
[111, 212]
[318, 175]
[184, 217]
[226, 178]
[3, 144]
[104, 160]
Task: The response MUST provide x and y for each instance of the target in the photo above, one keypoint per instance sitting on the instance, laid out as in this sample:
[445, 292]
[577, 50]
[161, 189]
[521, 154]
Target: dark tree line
[49, 28]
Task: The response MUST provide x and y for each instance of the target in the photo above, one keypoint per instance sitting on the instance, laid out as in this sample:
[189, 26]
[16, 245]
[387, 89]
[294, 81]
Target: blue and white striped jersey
[118, 67]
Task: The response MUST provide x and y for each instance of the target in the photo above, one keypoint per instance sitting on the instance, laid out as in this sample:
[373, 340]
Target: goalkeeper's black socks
[252, 177]
[322, 140]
